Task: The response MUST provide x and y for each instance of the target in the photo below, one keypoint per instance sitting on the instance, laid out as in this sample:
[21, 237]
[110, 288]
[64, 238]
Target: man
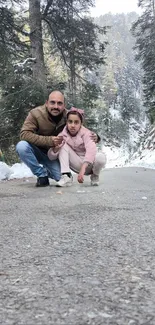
[1, 155]
[40, 132]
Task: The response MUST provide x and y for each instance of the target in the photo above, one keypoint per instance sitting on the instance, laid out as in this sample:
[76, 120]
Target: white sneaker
[65, 181]
[94, 180]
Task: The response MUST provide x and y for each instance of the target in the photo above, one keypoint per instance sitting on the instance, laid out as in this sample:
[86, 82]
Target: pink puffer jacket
[82, 144]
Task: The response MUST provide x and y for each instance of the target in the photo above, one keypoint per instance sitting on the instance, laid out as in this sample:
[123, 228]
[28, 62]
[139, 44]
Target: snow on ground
[20, 171]
[116, 157]
[120, 157]
[15, 171]
[146, 159]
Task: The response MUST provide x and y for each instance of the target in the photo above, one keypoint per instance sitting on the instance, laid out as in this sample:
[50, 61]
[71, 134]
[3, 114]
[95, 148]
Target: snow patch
[145, 159]
[20, 171]
[116, 157]
[115, 113]
[5, 171]
[15, 171]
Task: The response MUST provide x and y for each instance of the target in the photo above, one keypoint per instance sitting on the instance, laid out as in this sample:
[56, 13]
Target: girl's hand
[80, 177]
[56, 149]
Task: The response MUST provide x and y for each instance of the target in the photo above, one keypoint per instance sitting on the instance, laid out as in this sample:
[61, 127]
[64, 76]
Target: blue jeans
[37, 160]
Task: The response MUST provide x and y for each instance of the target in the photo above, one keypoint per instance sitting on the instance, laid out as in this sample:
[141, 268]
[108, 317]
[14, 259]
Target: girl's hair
[76, 111]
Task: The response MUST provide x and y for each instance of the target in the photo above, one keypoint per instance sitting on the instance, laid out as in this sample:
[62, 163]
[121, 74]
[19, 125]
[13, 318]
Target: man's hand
[57, 140]
[95, 137]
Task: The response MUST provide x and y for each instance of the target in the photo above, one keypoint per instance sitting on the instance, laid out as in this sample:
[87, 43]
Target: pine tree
[144, 31]
[75, 36]
[72, 36]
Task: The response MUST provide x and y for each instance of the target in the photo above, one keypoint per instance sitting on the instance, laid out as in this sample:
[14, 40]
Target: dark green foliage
[76, 38]
[121, 76]
[126, 94]
[21, 93]
[20, 96]
[73, 38]
[11, 47]
[86, 100]
[144, 31]
[11, 50]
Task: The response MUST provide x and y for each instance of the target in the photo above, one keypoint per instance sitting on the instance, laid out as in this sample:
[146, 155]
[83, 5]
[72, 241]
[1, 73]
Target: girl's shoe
[94, 180]
[65, 181]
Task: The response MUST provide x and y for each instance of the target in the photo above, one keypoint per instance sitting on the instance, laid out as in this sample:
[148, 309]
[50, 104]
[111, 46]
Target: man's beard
[56, 118]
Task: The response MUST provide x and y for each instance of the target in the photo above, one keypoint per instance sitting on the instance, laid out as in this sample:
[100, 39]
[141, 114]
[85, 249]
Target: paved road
[80, 255]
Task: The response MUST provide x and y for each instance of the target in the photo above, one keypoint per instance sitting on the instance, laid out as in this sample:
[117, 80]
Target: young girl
[77, 152]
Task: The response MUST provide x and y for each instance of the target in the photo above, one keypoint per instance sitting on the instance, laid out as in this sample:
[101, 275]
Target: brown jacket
[38, 128]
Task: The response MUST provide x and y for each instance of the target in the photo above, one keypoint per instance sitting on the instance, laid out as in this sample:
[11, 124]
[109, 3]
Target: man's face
[55, 103]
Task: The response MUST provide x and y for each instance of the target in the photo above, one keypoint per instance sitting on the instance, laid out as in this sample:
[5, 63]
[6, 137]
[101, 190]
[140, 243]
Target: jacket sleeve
[29, 133]
[52, 155]
[90, 147]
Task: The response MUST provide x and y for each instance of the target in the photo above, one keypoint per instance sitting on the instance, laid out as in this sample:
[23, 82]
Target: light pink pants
[70, 160]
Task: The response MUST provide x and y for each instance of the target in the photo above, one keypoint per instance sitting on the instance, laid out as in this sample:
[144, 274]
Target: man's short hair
[56, 90]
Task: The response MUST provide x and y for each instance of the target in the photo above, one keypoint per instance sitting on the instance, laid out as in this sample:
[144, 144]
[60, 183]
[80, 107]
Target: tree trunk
[72, 81]
[39, 73]
[72, 75]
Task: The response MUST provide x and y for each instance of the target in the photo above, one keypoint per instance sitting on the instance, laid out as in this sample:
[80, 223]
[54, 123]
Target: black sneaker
[42, 181]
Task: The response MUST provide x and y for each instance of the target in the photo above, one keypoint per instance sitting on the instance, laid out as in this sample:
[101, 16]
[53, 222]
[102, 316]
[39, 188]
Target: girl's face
[73, 124]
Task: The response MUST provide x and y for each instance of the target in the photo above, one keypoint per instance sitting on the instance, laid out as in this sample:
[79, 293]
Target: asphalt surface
[79, 255]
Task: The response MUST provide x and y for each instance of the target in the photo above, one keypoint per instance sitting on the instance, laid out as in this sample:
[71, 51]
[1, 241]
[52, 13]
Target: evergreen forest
[105, 65]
